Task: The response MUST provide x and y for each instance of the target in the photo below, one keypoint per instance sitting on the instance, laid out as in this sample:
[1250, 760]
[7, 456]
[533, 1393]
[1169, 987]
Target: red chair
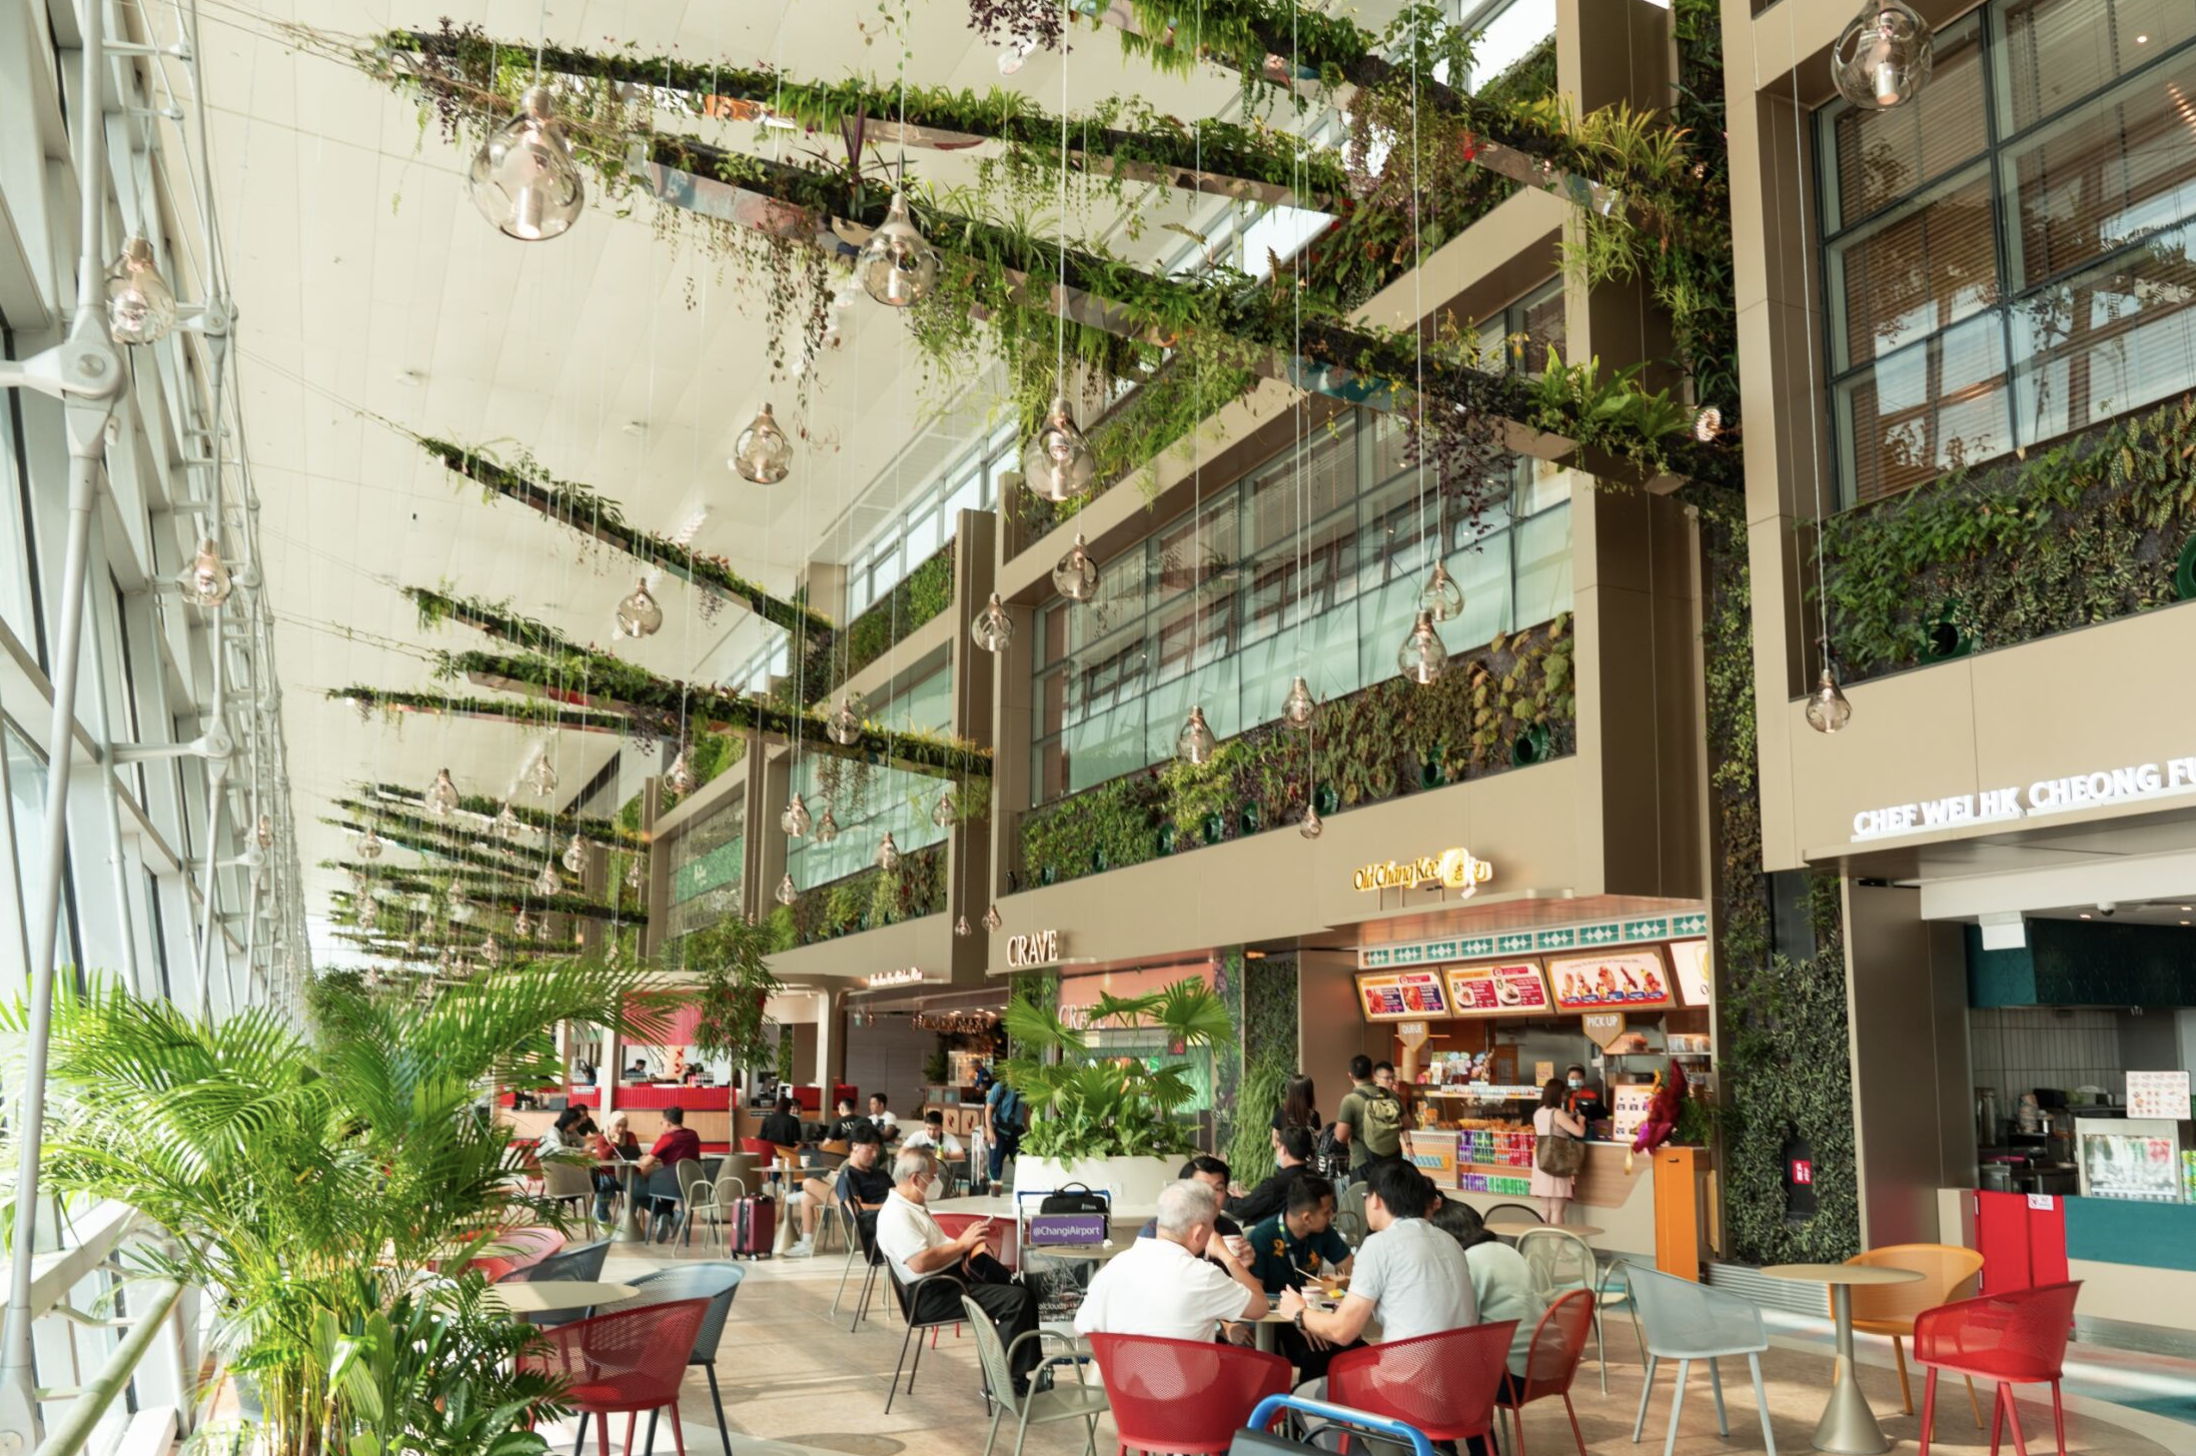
[1004, 1234]
[1187, 1396]
[2016, 1338]
[622, 1363]
[1443, 1384]
[1559, 1340]
[518, 1248]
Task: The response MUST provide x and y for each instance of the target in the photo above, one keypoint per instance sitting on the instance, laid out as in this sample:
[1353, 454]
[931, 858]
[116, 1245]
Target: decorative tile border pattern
[1526, 942]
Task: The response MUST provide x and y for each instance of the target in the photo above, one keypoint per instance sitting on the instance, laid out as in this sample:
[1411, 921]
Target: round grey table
[1848, 1426]
[552, 1296]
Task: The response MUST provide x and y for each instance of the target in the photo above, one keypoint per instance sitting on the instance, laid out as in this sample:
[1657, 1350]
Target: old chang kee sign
[2130, 784]
[1452, 869]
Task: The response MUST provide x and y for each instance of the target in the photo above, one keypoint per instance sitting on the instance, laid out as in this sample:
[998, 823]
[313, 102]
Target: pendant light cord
[1418, 311]
[1807, 293]
[1059, 301]
[541, 40]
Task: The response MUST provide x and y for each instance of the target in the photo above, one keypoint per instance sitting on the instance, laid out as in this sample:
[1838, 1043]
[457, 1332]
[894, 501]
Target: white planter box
[1134, 1183]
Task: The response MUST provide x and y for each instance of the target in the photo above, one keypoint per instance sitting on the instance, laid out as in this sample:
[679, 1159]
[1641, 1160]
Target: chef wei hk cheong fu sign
[1452, 869]
[2129, 783]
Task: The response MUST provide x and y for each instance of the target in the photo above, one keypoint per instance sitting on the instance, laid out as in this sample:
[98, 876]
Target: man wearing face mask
[1580, 1099]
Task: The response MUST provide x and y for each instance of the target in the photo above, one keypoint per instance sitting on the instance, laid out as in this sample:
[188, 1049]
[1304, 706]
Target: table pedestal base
[1848, 1427]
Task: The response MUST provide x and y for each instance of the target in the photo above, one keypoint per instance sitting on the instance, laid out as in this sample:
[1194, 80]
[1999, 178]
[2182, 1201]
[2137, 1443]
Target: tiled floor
[792, 1374]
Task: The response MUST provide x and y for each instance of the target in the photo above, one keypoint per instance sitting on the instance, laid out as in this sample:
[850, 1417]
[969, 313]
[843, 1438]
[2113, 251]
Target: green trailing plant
[559, 826]
[916, 601]
[733, 988]
[2084, 531]
[1269, 1045]
[1110, 1108]
[938, 1063]
[323, 1185]
[868, 899]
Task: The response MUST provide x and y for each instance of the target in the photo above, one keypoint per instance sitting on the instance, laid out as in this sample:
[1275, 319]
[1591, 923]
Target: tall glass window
[1293, 569]
[873, 799]
[2013, 256]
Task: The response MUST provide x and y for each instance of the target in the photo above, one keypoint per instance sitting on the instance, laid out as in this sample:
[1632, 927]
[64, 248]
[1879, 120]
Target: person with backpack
[1003, 1114]
[1371, 1119]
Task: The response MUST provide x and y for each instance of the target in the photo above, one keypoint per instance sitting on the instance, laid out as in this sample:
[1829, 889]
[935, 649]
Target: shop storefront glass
[872, 799]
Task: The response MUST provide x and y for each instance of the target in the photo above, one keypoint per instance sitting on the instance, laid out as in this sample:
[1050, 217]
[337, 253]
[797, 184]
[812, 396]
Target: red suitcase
[754, 1226]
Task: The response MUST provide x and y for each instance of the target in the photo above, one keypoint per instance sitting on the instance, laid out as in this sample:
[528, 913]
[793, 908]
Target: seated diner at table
[915, 1245]
[862, 1179]
[1181, 1283]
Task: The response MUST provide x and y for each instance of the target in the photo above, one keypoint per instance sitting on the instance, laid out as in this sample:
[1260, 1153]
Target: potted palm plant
[1111, 1122]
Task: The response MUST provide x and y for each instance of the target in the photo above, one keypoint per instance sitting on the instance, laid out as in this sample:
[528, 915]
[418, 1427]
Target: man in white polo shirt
[910, 1238]
[1408, 1272]
[1177, 1285]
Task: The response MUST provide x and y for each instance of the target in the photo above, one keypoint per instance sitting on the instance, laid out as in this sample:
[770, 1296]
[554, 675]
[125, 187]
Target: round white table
[1848, 1426]
[552, 1296]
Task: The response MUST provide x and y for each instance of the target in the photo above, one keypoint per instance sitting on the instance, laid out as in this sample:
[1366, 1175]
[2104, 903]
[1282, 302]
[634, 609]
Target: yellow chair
[1948, 1272]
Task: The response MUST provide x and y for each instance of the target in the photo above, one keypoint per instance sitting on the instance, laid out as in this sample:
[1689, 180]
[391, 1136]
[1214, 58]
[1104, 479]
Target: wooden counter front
[713, 1128]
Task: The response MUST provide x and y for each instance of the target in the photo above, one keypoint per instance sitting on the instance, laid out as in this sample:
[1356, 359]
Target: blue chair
[581, 1262]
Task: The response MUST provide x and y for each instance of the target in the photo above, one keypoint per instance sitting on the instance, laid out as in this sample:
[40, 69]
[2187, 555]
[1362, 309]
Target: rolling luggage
[753, 1226]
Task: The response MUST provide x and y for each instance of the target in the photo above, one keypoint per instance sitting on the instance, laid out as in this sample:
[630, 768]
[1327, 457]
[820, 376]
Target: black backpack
[1331, 1159]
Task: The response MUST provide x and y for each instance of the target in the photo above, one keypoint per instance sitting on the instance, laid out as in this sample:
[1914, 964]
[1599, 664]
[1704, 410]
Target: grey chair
[565, 1182]
[581, 1262]
[909, 1295]
[1349, 1214]
[716, 1282]
[697, 1196]
[1687, 1322]
[1078, 1402]
[864, 1243]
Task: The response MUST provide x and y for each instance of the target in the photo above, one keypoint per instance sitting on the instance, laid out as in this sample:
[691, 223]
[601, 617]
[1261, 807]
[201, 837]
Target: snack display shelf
[1479, 1092]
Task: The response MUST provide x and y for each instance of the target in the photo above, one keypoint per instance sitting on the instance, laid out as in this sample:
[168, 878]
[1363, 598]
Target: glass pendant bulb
[945, 813]
[442, 795]
[1883, 57]
[1297, 708]
[827, 828]
[992, 919]
[523, 925]
[1423, 656]
[1195, 742]
[1441, 598]
[993, 629]
[575, 854]
[205, 578]
[460, 908]
[897, 265]
[548, 882]
[1056, 463]
[361, 886]
[633, 873]
[1076, 577]
[680, 776]
[140, 305]
[541, 929]
[638, 614]
[888, 853]
[1312, 826]
[542, 778]
[507, 823]
[491, 951]
[369, 844]
[1827, 709]
[795, 821]
[762, 454]
[523, 177]
[787, 894]
[266, 832]
[844, 726]
[1707, 424]
[962, 928]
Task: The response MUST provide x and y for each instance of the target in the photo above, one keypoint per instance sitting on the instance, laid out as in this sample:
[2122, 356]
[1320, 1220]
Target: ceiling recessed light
[2085, 915]
[411, 377]
[2142, 40]
[2184, 922]
[635, 427]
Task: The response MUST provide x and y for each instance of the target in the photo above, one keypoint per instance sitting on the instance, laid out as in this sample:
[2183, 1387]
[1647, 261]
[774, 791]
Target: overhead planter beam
[590, 827]
[537, 713]
[425, 836]
[491, 892]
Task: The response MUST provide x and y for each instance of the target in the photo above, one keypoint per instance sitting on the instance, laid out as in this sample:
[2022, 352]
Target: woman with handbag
[1558, 1153]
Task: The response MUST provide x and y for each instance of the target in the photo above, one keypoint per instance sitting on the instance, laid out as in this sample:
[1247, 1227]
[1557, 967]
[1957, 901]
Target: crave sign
[1452, 869]
[1404, 994]
[1621, 980]
[1038, 948]
[1498, 987]
[2130, 783]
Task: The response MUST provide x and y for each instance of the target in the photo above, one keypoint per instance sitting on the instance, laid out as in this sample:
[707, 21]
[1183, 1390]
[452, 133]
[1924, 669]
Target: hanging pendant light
[888, 853]
[548, 882]
[945, 813]
[1056, 463]
[1195, 742]
[1827, 709]
[827, 828]
[795, 821]
[460, 906]
[1883, 57]
[361, 886]
[140, 305]
[368, 845]
[541, 928]
[762, 454]
[523, 177]
[1441, 598]
[962, 928]
[266, 832]
[523, 925]
[442, 795]
[992, 919]
[1312, 826]
[575, 854]
[448, 959]
[680, 776]
[844, 726]
[205, 578]
[542, 778]
[787, 894]
[1014, 53]
[638, 614]
[508, 825]
[633, 873]
[1297, 708]
[491, 951]
[897, 265]
[1076, 577]
[1707, 424]
[993, 629]
[1423, 656]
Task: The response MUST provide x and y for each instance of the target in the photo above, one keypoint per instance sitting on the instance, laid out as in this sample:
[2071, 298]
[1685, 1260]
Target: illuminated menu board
[1496, 988]
[1403, 994]
[1629, 980]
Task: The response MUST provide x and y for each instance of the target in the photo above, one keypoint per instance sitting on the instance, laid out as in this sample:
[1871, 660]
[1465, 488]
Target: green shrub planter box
[1530, 747]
